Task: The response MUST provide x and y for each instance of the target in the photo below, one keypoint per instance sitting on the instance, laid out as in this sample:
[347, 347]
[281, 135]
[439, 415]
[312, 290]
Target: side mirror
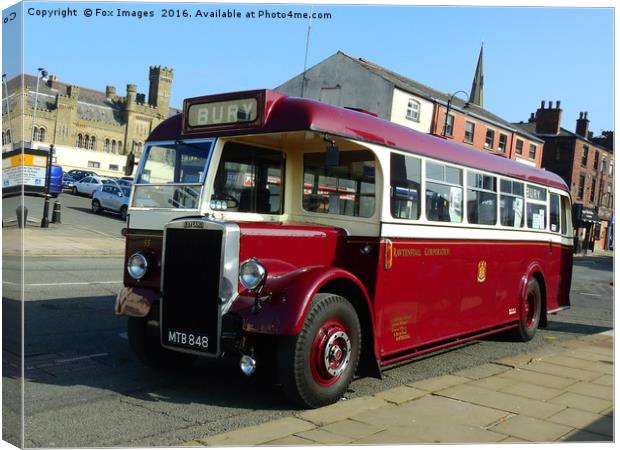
[130, 162]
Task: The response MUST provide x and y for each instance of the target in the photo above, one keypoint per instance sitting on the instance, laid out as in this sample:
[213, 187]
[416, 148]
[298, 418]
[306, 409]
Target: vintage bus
[318, 242]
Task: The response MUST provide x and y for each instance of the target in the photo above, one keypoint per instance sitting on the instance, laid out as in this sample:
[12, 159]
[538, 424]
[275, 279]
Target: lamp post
[40, 76]
[45, 223]
[445, 123]
[8, 110]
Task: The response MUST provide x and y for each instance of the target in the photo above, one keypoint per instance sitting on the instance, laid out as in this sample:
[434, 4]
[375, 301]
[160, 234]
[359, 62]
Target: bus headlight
[252, 274]
[137, 265]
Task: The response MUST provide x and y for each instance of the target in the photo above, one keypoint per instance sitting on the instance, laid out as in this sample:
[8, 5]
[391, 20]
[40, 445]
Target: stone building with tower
[586, 163]
[90, 129]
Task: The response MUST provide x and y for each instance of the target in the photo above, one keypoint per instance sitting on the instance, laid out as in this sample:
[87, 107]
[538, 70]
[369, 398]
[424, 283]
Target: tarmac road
[84, 388]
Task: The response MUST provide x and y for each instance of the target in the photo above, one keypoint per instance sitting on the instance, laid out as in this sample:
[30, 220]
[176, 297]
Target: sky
[531, 54]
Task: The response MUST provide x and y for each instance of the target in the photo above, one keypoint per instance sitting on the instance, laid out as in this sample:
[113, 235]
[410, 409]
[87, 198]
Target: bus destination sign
[222, 113]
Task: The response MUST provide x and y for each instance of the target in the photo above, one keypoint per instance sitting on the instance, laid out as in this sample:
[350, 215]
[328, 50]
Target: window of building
[481, 198]
[444, 193]
[469, 131]
[35, 134]
[519, 147]
[450, 125]
[413, 110]
[593, 189]
[503, 141]
[490, 138]
[611, 168]
[93, 143]
[595, 164]
[78, 141]
[607, 197]
[603, 165]
[536, 207]
[87, 142]
[94, 164]
[532, 154]
[405, 181]
[113, 167]
[106, 146]
[113, 149]
[8, 137]
[584, 156]
[41, 134]
[511, 203]
[347, 189]
[581, 186]
[3, 138]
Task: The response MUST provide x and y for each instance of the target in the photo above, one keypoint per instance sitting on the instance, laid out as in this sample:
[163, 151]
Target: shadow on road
[80, 342]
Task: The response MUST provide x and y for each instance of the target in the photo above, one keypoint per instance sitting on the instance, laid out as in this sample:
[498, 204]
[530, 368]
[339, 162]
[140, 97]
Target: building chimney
[532, 118]
[548, 120]
[582, 125]
[110, 92]
[52, 82]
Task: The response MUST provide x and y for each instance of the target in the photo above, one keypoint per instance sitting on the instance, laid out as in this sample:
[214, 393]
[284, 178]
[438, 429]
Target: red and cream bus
[321, 241]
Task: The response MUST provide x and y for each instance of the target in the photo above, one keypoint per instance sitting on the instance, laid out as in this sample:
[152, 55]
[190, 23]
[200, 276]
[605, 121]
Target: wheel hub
[337, 353]
[331, 352]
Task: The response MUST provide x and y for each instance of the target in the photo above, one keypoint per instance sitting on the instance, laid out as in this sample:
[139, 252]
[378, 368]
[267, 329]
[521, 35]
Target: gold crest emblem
[482, 271]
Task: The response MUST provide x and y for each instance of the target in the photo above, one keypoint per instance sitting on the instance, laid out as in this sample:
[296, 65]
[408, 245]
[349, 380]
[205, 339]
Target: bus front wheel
[530, 311]
[316, 366]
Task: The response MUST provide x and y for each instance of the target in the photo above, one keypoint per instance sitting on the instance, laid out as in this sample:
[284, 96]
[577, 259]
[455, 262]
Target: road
[84, 388]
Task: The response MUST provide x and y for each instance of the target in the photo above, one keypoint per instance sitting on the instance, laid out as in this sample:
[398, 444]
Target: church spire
[477, 85]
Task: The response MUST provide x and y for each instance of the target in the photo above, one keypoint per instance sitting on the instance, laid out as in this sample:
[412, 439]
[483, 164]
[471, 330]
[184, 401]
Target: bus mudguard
[285, 300]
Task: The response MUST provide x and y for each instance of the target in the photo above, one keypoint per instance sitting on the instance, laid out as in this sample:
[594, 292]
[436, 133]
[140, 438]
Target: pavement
[60, 240]
[564, 392]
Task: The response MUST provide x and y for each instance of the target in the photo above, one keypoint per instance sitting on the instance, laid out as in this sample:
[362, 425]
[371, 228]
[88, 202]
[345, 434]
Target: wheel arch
[536, 272]
[348, 289]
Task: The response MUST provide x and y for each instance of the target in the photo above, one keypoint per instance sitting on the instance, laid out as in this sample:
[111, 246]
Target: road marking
[76, 283]
[79, 358]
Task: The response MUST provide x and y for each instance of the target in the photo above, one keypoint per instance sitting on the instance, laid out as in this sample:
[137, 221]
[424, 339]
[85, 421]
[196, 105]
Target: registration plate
[189, 340]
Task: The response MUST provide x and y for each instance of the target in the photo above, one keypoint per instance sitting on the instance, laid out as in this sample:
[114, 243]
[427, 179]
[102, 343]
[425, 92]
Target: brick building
[355, 82]
[586, 163]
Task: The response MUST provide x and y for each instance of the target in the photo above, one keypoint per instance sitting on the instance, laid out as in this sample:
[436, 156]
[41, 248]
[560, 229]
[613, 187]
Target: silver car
[88, 185]
[111, 197]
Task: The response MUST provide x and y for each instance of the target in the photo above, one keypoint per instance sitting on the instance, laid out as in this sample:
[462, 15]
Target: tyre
[124, 212]
[74, 191]
[316, 366]
[529, 312]
[144, 342]
[96, 206]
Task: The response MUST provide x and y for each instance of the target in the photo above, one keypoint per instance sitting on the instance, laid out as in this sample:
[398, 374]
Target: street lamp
[8, 110]
[445, 123]
[42, 75]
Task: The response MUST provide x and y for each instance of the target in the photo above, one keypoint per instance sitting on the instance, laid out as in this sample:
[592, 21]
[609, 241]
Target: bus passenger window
[567, 218]
[249, 179]
[405, 179]
[481, 198]
[347, 189]
[554, 213]
[511, 203]
[444, 193]
[536, 207]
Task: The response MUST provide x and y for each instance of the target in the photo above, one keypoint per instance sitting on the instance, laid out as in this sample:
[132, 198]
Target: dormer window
[413, 110]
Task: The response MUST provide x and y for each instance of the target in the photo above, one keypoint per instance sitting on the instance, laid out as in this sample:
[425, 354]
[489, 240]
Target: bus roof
[282, 113]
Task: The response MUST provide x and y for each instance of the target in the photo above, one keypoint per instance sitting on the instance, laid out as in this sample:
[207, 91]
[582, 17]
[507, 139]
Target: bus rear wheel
[316, 366]
[144, 342]
[530, 311]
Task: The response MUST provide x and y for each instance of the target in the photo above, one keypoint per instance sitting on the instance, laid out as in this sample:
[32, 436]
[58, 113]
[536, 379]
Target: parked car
[88, 185]
[79, 174]
[122, 182]
[111, 197]
[68, 181]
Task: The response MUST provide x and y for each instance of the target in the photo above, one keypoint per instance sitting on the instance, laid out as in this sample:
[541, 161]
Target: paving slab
[320, 436]
[582, 402]
[342, 410]
[438, 383]
[290, 440]
[353, 429]
[577, 363]
[531, 391]
[494, 383]
[259, 434]
[401, 394]
[604, 380]
[585, 436]
[584, 420]
[530, 429]
[562, 371]
[499, 400]
[539, 379]
[483, 371]
[604, 392]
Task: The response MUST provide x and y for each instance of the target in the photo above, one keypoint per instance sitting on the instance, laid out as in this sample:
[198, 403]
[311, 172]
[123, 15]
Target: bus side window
[444, 193]
[567, 225]
[536, 207]
[554, 213]
[481, 198]
[405, 180]
[511, 203]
